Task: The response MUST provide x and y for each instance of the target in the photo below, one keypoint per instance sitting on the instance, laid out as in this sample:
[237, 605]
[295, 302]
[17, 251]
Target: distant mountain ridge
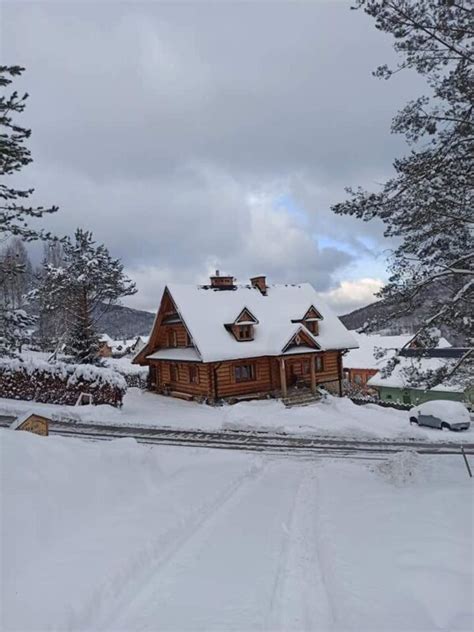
[402, 324]
[125, 322]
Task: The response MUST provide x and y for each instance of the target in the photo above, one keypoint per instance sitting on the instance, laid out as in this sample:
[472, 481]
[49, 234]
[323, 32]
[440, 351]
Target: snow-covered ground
[124, 537]
[333, 416]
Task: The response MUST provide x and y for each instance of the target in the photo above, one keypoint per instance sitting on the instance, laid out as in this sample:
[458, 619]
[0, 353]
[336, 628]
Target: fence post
[466, 461]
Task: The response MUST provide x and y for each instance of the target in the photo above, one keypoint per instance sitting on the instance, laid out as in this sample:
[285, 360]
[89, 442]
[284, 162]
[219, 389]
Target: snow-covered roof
[205, 312]
[188, 354]
[22, 418]
[117, 345]
[105, 338]
[364, 356]
[400, 376]
[142, 339]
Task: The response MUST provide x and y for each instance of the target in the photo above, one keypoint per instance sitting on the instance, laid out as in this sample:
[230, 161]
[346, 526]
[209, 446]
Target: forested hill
[401, 324]
[124, 322]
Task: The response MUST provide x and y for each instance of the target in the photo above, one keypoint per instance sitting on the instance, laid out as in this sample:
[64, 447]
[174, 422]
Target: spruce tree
[15, 287]
[428, 204]
[85, 283]
[49, 303]
[14, 213]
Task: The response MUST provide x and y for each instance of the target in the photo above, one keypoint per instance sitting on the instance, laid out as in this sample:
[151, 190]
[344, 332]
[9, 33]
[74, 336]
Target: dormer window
[243, 326]
[311, 320]
[244, 332]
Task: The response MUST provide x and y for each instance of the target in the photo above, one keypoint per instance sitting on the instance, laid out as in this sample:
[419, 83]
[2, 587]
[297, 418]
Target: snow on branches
[428, 205]
[84, 282]
[14, 215]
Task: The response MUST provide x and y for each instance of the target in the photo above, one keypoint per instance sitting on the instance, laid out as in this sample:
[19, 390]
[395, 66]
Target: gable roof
[313, 314]
[364, 356]
[246, 318]
[301, 339]
[401, 374]
[206, 311]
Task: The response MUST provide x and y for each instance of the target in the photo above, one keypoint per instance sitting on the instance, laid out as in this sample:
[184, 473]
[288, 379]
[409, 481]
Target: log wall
[182, 382]
[228, 386]
[219, 379]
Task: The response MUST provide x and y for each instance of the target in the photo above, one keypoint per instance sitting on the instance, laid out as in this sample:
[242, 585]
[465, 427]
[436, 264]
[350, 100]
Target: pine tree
[14, 215]
[428, 204]
[86, 282]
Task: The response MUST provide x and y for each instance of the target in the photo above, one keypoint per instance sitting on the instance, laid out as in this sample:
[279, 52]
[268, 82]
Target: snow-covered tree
[15, 215]
[49, 304]
[428, 204]
[85, 282]
[14, 287]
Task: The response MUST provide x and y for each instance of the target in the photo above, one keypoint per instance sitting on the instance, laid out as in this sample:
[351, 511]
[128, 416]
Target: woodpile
[60, 383]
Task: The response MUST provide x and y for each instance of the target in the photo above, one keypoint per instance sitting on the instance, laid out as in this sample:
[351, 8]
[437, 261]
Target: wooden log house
[229, 341]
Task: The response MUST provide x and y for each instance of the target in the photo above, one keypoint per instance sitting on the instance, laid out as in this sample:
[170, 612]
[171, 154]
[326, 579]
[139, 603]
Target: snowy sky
[190, 136]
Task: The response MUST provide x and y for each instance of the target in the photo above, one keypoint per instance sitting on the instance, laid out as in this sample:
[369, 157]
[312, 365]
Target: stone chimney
[260, 282]
[222, 282]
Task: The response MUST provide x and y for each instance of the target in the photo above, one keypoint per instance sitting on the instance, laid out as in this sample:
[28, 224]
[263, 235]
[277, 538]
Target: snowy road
[114, 536]
[238, 569]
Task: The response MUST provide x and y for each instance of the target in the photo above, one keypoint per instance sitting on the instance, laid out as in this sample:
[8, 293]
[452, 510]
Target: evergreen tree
[86, 282]
[15, 287]
[14, 214]
[428, 204]
[51, 310]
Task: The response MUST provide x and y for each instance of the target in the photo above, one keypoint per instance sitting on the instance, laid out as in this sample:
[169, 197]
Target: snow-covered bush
[59, 382]
[134, 375]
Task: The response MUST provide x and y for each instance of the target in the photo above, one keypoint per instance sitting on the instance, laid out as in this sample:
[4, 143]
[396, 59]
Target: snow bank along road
[251, 441]
[117, 536]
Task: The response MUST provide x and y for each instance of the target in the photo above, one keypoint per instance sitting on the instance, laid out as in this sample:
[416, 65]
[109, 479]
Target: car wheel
[413, 420]
[445, 425]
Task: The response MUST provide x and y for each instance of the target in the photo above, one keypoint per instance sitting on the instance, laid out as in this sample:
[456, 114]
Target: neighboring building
[138, 345]
[224, 340]
[399, 386]
[362, 363]
[110, 348]
[105, 346]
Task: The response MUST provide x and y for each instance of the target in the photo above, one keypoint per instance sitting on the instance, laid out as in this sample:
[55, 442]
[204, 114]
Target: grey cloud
[153, 123]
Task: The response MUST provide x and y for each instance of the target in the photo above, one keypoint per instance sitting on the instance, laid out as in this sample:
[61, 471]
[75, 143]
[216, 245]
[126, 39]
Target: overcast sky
[195, 136]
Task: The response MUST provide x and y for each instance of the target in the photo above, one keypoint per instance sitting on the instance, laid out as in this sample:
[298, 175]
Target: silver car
[441, 414]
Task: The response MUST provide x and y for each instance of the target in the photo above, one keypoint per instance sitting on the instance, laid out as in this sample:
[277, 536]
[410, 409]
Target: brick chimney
[222, 282]
[260, 282]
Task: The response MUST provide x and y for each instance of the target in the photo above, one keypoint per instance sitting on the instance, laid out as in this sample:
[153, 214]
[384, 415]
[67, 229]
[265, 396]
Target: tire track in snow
[299, 598]
[178, 538]
[276, 598]
[228, 574]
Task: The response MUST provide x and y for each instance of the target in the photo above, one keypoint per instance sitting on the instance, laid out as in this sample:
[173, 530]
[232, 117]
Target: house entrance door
[293, 376]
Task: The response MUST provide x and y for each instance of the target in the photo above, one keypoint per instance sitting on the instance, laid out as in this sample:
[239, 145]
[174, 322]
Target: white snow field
[333, 416]
[116, 536]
